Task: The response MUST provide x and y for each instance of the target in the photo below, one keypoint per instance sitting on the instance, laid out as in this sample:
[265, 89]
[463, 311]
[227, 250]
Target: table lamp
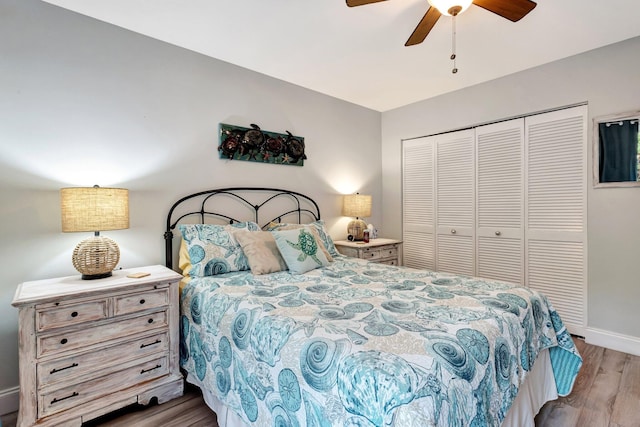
[358, 206]
[95, 209]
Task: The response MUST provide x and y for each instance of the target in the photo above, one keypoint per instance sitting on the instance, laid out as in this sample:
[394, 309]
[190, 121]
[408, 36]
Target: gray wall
[83, 103]
[609, 80]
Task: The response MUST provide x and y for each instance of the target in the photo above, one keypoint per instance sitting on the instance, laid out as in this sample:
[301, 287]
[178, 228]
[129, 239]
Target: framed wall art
[256, 145]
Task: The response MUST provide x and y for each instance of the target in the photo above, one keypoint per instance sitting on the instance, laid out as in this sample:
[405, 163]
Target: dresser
[89, 347]
[383, 251]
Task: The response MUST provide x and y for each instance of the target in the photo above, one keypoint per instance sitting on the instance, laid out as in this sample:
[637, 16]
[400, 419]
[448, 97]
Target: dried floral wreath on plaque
[255, 145]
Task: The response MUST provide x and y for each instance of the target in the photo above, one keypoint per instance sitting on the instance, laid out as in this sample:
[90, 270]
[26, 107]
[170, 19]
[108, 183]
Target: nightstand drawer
[72, 314]
[66, 341]
[141, 301]
[371, 253]
[72, 368]
[389, 252]
[68, 397]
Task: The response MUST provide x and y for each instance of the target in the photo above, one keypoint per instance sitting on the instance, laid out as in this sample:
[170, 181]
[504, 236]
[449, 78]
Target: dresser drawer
[74, 367]
[71, 396]
[66, 341]
[66, 315]
[141, 301]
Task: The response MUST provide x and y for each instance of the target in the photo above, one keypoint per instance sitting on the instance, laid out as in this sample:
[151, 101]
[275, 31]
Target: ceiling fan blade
[513, 10]
[352, 3]
[426, 24]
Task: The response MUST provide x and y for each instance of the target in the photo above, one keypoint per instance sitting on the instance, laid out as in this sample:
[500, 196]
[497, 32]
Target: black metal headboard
[249, 200]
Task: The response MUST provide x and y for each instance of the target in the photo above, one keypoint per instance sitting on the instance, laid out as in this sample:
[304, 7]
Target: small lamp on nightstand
[356, 205]
[95, 209]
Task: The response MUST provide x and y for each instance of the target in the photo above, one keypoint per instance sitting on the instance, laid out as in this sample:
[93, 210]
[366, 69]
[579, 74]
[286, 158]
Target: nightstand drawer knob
[63, 341]
[142, 301]
[498, 233]
[56, 400]
[150, 369]
[53, 371]
[150, 344]
[74, 314]
[453, 231]
[150, 320]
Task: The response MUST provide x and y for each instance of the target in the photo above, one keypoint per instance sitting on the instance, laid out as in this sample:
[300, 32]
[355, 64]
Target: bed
[335, 341]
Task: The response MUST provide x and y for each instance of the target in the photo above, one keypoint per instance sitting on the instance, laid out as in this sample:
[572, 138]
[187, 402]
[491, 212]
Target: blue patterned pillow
[300, 250]
[212, 249]
[318, 225]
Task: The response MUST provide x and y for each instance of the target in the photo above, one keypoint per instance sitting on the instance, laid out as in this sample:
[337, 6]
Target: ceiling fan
[513, 10]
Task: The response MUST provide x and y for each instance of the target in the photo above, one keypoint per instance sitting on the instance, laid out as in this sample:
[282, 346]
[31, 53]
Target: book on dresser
[89, 347]
[380, 250]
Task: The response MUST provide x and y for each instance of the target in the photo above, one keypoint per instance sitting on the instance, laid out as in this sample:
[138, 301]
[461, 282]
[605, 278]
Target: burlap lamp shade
[95, 209]
[358, 206]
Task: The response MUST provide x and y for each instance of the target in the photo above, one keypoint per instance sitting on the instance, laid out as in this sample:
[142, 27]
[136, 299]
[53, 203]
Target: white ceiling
[358, 54]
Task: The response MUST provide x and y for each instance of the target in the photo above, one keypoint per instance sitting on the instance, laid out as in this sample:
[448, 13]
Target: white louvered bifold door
[455, 207]
[500, 201]
[555, 211]
[418, 211]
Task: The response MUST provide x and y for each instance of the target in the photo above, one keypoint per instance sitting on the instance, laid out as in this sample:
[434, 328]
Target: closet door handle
[498, 233]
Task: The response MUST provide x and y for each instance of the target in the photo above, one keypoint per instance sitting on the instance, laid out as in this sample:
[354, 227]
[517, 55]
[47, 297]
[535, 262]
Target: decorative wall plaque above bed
[255, 145]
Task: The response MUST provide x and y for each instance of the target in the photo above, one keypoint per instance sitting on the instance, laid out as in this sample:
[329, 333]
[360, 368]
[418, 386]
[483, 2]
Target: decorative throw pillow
[300, 250]
[212, 249]
[317, 229]
[261, 251]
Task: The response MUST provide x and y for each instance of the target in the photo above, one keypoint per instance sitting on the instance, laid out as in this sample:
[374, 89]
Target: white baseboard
[9, 400]
[612, 340]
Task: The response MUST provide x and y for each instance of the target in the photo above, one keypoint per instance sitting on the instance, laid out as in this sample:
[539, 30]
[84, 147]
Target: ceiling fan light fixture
[451, 7]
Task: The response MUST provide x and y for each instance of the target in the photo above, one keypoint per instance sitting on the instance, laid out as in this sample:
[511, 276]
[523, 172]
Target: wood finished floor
[606, 394]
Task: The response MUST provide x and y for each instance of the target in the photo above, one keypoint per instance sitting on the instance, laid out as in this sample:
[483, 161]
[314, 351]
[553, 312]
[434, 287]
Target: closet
[503, 201]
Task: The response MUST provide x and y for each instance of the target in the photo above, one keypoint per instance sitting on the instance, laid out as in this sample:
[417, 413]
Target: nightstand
[383, 251]
[89, 347]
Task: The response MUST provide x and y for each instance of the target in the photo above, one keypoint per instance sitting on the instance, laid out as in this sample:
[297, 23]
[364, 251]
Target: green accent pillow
[317, 225]
[300, 250]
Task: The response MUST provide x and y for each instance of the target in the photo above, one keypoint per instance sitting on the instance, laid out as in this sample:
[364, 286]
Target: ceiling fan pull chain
[453, 44]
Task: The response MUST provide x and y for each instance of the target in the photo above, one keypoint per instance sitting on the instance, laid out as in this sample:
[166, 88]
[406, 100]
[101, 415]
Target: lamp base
[356, 229]
[95, 276]
[96, 257]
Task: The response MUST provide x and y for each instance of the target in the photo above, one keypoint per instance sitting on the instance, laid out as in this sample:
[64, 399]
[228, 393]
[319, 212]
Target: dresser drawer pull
[64, 341]
[53, 371]
[74, 314]
[150, 369]
[150, 321]
[56, 400]
[150, 344]
[142, 301]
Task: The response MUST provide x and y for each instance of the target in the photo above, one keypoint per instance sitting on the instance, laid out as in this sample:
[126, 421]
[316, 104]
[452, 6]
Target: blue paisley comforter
[364, 344]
